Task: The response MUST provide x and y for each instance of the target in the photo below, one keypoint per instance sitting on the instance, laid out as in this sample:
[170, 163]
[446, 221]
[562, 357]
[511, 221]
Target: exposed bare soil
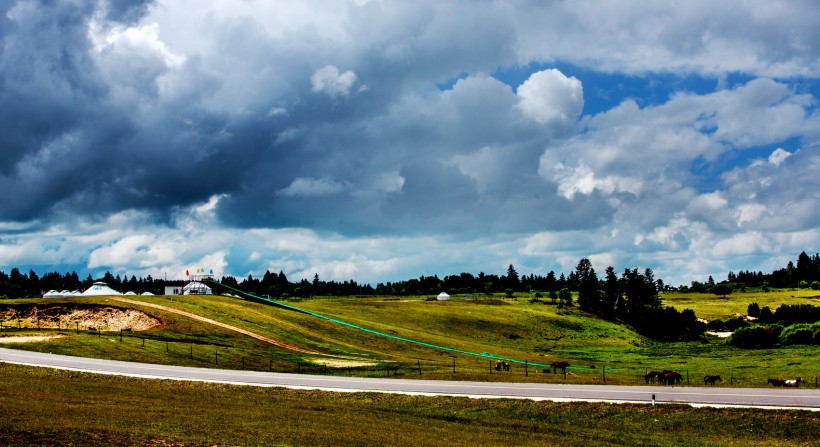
[70, 316]
[28, 338]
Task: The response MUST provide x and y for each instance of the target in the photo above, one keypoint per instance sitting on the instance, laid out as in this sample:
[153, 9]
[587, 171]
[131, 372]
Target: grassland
[42, 407]
[61, 408]
[519, 329]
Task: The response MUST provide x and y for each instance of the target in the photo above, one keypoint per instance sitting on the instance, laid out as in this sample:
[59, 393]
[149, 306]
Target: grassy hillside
[519, 329]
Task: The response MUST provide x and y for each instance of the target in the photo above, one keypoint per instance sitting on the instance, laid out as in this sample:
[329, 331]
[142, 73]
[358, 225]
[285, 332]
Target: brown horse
[650, 376]
[671, 378]
[559, 365]
[710, 380]
[776, 382]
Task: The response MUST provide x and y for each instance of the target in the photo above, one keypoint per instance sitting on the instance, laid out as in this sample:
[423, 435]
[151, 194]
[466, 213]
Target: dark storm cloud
[127, 11]
[71, 140]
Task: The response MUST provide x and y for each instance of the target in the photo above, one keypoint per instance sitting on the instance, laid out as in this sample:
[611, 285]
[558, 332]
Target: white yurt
[100, 288]
[443, 296]
[129, 293]
[52, 294]
[147, 293]
[196, 288]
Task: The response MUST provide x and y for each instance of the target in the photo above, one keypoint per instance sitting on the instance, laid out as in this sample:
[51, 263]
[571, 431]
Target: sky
[385, 140]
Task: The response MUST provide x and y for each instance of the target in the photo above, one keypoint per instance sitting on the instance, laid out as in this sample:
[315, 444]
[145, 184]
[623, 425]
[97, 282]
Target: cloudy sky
[384, 140]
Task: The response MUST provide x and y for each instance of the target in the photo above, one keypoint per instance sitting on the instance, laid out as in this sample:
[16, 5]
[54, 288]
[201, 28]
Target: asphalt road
[807, 399]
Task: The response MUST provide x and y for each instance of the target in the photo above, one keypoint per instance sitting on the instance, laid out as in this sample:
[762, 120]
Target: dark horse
[559, 365]
[650, 376]
[499, 365]
[670, 377]
[776, 382]
[710, 380]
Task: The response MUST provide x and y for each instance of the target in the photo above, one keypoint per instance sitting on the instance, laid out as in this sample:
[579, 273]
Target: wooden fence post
[526, 368]
[604, 370]
[419, 363]
[454, 366]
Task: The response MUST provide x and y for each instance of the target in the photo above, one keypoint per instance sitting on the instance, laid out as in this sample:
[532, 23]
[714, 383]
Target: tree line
[633, 297]
[804, 275]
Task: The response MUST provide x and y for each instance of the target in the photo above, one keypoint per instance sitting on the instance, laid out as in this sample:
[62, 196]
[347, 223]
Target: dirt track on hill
[278, 343]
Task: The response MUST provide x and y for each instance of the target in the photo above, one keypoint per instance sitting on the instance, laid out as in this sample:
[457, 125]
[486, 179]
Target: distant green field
[709, 306]
[533, 332]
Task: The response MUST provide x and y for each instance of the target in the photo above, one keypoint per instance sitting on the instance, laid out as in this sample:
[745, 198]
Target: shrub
[800, 334]
[716, 325]
[753, 310]
[797, 313]
[754, 337]
[766, 315]
[733, 324]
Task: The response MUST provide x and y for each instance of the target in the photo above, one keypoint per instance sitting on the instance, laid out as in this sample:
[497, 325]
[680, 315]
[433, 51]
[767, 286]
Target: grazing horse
[776, 382]
[559, 365]
[710, 380]
[650, 376]
[671, 378]
[499, 365]
[506, 366]
[793, 383]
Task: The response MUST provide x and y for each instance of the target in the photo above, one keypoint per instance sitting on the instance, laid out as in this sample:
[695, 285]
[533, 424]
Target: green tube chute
[271, 302]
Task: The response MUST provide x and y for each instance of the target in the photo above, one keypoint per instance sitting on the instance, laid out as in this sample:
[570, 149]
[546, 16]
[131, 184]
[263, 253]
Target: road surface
[805, 399]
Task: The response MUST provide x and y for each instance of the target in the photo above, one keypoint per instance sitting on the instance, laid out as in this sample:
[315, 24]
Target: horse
[506, 366]
[793, 383]
[650, 376]
[710, 380]
[671, 378]
[559, 365]
[776, 382]
[498, 365]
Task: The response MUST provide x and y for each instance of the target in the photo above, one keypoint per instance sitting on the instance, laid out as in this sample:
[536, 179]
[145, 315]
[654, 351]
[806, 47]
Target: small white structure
[129, 293]
[196, 288]
[147, 293]
[52, 294]
[443, 296]
[100, 288]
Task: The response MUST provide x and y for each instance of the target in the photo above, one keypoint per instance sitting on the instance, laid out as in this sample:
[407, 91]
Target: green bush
[716, 325]
[800, 334]
[733, 324]
[754, 337]
[753, 310]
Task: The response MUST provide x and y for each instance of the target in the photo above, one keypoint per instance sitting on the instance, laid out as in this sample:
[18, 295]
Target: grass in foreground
[60, 408]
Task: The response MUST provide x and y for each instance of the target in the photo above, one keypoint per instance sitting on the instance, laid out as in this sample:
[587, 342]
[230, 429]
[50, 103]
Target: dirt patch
[28, 338]
[70, 316]
[337, 363]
